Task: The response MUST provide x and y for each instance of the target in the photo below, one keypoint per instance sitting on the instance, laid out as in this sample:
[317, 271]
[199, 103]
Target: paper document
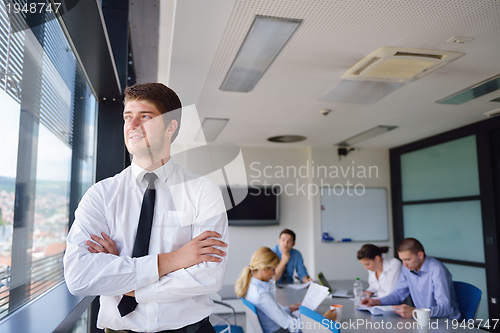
[298, 286]
[376, 310]
[341, 293]
[314, 296]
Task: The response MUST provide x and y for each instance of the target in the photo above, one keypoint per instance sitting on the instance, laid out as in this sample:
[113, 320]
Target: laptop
[333, 292]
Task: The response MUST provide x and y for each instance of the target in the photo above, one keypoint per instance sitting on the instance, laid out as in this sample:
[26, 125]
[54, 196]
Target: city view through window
[47, 146]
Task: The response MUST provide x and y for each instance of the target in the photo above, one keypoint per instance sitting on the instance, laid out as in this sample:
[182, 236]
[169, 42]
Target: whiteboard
[358, 217]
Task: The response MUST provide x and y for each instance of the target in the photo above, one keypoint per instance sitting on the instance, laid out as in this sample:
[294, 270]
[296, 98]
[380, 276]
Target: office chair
[468, 297]
[313, 321]
[252, 317]
[224, 325]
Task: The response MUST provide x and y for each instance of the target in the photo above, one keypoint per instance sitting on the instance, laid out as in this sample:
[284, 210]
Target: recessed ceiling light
[475, 91]
[264, 41]
[287, 138]
[350, 142]
[492, 113]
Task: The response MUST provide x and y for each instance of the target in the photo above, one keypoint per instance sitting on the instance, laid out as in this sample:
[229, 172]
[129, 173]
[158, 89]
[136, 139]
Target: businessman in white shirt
[152, 240]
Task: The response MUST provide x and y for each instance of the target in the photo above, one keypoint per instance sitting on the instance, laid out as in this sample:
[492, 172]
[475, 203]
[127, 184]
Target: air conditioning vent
[399, 64]
[419, 55]
[368, 64]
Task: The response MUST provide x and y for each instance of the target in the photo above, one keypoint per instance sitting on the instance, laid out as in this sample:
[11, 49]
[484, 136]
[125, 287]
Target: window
[47, 148]
[441, 207]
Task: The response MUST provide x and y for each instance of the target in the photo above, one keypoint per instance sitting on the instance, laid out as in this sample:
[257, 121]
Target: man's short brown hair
[288, 232]
[412, 245]
[162, 97]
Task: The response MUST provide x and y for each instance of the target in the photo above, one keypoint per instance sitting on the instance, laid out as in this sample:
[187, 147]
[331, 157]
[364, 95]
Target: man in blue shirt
[290, 259]
[427, 281]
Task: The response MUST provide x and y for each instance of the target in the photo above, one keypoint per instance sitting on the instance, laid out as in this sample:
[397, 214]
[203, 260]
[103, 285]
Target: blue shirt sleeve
[301, 269]
[400, 292]
[441, 288]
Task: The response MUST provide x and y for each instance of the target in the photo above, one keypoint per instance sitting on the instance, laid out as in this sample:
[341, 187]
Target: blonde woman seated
[382, 274]
[253, 284]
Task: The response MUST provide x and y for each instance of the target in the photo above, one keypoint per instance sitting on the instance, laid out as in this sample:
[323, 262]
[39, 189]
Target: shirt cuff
[147, 270]
[146, 294]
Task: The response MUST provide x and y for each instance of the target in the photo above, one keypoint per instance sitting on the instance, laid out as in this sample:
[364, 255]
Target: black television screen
[260, 206]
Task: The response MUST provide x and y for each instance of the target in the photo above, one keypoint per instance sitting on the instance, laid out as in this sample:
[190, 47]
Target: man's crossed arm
[199, 249]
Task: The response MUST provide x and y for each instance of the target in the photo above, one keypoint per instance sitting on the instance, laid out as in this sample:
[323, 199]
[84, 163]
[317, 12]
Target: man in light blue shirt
[427, 281]
[290, 259]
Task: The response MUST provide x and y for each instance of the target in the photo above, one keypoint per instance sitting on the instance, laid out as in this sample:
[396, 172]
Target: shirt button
[152, 241]
[151, 320]
[149, 281]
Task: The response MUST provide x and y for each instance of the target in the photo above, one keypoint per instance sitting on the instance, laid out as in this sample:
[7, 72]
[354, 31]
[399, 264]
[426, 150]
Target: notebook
[376, 310]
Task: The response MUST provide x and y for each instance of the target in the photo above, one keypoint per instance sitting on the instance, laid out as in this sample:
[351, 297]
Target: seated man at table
[290, 259]
[427, 281]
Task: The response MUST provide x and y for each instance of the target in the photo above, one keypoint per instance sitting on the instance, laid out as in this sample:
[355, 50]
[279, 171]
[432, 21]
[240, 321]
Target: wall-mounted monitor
[260, 207]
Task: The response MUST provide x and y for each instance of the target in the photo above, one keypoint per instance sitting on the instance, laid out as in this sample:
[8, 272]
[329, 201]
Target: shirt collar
[262, 284]
[425, 266]
[162, 172]
[385, 265]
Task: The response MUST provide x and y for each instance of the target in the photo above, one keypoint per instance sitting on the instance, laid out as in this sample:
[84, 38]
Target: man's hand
[197, 250]
[404, 310]
[294, 307]
[104, 244]
[370, 302]
[306, 279]
[330, 315]
[285, 256]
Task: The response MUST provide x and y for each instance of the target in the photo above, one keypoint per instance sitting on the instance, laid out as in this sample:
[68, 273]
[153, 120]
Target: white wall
[300, 207]
[338, 260]
[295, 210]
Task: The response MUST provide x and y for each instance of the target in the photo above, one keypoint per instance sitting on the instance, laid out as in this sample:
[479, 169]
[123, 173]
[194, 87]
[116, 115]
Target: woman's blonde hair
[261, 259]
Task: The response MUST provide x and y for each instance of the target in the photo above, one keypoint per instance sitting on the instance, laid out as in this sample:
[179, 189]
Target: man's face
[144, 131]
[411, 260]
[285, 242]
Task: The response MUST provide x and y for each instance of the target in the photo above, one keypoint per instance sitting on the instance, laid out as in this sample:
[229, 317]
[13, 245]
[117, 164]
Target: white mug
[337, 308]
[422, 315]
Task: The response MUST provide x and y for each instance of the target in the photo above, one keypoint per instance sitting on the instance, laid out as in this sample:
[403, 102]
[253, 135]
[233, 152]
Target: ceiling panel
[333, 37]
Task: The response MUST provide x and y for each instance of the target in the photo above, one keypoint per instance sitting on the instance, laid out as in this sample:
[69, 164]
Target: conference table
[362, 321]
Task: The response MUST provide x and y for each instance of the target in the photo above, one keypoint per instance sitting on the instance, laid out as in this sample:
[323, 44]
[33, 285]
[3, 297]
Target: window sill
[57, 311]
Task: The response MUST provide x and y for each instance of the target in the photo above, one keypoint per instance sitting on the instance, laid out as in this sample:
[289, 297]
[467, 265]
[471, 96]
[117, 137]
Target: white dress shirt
[186, 205]
[384, 285]
[272, 315]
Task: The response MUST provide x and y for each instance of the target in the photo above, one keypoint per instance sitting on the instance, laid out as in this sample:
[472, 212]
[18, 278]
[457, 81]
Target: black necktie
[284, 276]
[141, 246]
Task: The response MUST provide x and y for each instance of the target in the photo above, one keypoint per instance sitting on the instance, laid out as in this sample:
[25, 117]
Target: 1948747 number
[470, 323]
[33, 8]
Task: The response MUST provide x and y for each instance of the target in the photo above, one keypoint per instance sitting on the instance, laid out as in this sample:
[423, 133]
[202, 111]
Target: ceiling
[333, 36]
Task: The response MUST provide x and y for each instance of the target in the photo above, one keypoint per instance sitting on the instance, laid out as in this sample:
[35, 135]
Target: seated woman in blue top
[253, 284]
[383, 274]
